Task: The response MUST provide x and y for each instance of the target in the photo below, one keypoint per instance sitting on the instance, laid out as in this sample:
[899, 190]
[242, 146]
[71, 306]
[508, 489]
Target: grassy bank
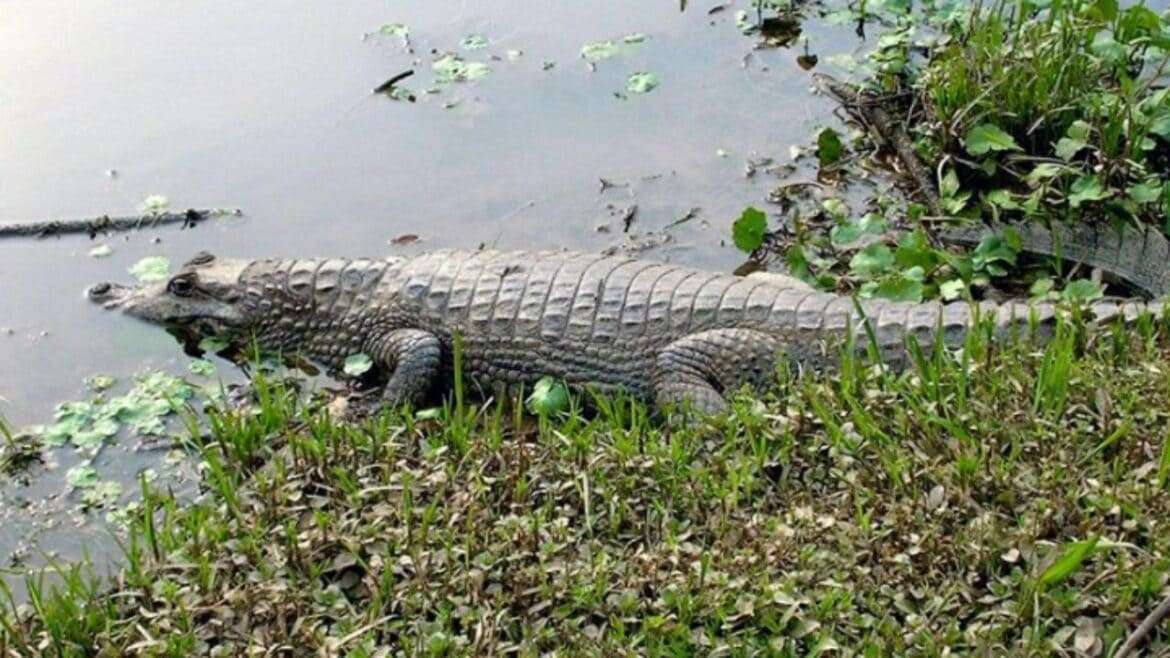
[1005, 503]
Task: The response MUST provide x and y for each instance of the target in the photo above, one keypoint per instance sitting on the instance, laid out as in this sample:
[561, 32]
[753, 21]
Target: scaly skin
[1140, 256]
[664, 333]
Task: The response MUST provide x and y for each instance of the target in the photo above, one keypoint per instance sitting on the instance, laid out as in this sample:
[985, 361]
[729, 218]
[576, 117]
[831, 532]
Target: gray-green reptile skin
[662, 332]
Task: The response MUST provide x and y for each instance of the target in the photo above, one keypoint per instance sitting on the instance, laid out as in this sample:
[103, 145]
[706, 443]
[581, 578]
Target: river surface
[267, 107]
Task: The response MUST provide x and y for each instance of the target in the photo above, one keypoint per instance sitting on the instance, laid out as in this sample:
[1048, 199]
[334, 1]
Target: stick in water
[105, 223]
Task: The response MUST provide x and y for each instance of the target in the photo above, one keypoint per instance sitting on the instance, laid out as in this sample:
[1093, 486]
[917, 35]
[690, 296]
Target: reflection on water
[269, 108]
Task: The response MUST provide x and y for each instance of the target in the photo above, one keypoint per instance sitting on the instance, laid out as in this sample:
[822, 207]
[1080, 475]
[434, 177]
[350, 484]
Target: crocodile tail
[1139, 256]
[891, 324]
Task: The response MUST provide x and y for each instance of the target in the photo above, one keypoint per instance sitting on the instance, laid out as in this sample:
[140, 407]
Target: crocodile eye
[181, 286]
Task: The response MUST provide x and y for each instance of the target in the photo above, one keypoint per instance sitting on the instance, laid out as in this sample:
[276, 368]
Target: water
[267, 107]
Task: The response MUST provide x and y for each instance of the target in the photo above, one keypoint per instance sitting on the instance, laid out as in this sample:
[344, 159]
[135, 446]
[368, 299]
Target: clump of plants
[1053, 111]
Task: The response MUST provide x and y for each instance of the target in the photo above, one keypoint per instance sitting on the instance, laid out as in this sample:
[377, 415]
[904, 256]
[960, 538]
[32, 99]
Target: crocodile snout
[109, 295]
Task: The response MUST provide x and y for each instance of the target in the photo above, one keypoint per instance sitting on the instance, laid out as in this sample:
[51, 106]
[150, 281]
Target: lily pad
[641, 82]
[151, 269]
[357, 365]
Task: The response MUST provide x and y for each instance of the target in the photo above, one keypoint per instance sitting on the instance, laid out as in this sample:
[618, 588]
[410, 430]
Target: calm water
[267, 107]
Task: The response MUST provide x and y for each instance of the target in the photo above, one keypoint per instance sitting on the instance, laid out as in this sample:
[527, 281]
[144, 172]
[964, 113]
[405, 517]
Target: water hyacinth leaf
[987, 137]
[201, 367]
[81, 477]
[850, 232]
[952, 290]
[101, 494]
[549, 396]
[641, 82]
[357, 365]
[874, 260]
[395, 30]
[151, 269]
[474, 42]
[1107, 48]
[1070, 562]
[1160, 126]
[1082, 290]
[900, 289]
[596, 51]
[1067, 147]
[749, 230]
[99, 383]
[453, 68]
[914, 251]
[213, 344]
[1087, 188]
[1001, 198]
[155, 204]
[1149, 191]
[829, 147]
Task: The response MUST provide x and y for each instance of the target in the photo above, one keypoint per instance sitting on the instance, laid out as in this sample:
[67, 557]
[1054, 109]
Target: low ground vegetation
[1003, 501]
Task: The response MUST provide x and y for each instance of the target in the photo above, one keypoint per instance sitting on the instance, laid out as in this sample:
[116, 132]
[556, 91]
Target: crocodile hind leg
[412, 358]
[701, 368]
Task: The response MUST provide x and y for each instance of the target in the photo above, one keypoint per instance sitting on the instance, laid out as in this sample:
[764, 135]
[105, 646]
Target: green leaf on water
[634, 37]
[155, 204]
[874, 260]
[357, 365]
[201, 367]
[549, 396]
[1107, 48]
[395, 30]
[151, 269]
[101, 494]
[101, 251]
[474, 42]
[81, 477]
[1069, 563]
[829, 147]
[749, 230]
[1087, 188]
[595, 51]
[987, 137]
[914, 251]
[99, 383]
[453, 68]
[641, 82]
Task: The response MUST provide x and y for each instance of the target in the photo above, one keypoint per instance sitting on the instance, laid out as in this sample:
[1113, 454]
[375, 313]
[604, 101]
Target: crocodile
[1139, 256]
[665, 333]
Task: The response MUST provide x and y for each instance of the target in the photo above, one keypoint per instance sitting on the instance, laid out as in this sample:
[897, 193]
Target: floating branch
[106, 224]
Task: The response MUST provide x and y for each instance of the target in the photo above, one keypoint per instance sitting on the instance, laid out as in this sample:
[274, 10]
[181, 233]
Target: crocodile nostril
[100, 289]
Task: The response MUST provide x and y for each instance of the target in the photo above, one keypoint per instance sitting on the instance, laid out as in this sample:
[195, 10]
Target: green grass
[998, 503]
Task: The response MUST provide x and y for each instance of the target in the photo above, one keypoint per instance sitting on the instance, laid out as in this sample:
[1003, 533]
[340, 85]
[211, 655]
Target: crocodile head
[204, 299]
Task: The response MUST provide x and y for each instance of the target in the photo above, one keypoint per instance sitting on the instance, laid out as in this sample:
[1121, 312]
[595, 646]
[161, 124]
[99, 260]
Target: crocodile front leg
[412, 358]
[700, 368]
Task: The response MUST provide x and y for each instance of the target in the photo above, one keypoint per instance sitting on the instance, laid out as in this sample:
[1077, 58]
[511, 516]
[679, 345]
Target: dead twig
[1139, 634]
[106, 224]
[869, 112]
